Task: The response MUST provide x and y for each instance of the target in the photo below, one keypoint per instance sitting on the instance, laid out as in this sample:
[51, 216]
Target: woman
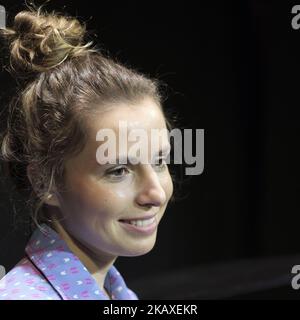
[87, 213]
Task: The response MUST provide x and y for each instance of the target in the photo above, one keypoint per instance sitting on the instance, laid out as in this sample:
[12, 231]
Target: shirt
[51, 271]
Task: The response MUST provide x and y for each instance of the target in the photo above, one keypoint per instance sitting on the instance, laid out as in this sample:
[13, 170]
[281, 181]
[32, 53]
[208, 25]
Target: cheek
[96, 198]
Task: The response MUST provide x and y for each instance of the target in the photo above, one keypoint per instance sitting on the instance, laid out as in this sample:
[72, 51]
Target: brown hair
[61, 81]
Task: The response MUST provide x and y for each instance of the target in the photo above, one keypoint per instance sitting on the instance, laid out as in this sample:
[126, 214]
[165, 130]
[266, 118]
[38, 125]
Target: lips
[138, 218]
[142, 227]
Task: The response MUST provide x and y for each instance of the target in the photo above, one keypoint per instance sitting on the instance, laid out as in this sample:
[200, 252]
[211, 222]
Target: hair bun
[40, 41]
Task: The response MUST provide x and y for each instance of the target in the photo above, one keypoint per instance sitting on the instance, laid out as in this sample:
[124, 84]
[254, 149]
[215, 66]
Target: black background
[233, 68]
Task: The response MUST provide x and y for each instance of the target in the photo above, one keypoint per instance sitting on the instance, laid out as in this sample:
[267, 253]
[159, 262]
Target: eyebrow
[128, 159]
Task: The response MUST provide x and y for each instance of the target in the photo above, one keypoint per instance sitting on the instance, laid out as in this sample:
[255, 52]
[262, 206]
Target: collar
[65, 272]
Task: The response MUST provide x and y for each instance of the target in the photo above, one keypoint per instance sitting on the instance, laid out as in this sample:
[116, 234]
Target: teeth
[142, 223]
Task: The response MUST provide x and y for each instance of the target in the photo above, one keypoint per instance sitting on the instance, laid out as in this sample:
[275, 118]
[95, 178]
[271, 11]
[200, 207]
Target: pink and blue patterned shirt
[50, 271]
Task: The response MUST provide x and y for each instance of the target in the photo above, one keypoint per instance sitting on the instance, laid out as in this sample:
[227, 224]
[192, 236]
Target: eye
[118, 172]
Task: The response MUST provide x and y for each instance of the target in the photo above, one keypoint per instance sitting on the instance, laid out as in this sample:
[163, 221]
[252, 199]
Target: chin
[138, 250]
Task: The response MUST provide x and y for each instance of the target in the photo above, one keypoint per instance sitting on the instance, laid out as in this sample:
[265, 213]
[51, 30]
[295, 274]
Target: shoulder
[132, 294]
[26, 282]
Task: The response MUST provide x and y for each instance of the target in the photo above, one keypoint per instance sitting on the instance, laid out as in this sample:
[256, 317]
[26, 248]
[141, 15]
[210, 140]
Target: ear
[52, 199]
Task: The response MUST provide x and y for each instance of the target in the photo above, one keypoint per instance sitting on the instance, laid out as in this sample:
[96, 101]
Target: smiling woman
[87, 214]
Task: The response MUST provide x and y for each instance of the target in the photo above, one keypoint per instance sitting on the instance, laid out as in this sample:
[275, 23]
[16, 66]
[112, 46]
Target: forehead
[144, 115]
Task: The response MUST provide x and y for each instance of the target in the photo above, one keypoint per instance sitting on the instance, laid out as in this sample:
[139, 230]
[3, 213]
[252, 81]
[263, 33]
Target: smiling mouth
[139, 222]
[142, 227]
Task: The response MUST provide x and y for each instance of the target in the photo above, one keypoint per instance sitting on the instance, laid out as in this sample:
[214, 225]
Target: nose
[151, 192]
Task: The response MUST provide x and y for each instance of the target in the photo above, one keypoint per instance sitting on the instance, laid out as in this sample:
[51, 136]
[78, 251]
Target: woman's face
[99, 195]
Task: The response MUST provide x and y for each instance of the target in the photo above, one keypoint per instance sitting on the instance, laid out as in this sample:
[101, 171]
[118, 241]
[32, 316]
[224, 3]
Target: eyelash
[112, 173]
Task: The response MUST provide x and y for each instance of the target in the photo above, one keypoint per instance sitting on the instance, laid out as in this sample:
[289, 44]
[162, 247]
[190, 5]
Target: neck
[97, 265]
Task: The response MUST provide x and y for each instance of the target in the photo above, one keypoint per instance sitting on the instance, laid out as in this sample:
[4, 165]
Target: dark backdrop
[233, 71]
